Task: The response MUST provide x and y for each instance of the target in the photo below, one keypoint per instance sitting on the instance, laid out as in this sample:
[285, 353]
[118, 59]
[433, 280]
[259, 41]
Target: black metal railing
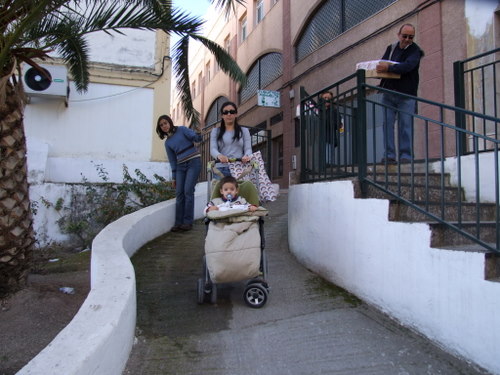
[327, 137]
[468, 204]
[476, 89]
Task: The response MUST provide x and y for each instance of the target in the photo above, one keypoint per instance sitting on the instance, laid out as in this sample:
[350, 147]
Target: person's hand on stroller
[252, 208]
[246, 159]
[223, 158]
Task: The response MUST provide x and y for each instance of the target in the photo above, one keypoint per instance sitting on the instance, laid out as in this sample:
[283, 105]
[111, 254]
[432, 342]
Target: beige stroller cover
[233, 245]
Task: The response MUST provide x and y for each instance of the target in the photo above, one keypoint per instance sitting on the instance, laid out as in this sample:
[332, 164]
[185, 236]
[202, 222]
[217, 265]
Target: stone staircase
[433, 193]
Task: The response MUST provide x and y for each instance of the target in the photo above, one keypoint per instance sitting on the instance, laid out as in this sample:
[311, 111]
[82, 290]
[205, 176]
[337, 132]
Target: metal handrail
[422, 184]
[475, 82]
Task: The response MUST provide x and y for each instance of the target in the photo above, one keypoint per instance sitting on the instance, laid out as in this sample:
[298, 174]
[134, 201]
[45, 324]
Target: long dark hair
[160, 132]
[237, 128]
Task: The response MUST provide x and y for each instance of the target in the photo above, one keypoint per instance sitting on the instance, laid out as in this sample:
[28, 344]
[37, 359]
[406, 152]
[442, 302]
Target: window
[200, 83]
[213, 115]
[261, 74]
[208, 75]
[243, 28]
[227, 44]
[259, 11]
[276, 119]
[333, 18]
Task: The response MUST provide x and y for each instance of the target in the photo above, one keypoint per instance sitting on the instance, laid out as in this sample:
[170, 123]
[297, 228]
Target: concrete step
[415, 192]
[416, 167]
[399, 211]
[433, 179]
[443, 236]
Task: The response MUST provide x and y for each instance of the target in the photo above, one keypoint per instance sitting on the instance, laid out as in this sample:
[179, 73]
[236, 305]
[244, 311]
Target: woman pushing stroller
[230, 140]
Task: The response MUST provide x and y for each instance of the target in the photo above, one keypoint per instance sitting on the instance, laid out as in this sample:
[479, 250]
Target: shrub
[92, 206]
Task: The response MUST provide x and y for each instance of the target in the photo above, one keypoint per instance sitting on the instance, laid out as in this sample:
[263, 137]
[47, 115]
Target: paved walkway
[307, 326]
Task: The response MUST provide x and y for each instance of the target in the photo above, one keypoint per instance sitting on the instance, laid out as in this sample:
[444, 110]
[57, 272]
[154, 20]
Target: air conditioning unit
[52, 83]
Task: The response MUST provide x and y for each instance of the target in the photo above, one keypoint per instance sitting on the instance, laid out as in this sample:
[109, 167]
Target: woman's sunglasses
[230, 112]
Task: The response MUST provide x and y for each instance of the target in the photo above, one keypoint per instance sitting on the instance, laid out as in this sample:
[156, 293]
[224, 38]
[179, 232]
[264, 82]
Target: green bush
[95, 205]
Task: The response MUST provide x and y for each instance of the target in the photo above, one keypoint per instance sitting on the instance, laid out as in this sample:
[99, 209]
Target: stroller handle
[252, 165]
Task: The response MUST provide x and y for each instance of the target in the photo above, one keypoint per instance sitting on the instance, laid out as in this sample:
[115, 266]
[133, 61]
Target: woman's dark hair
[160, 132]
[237, 127]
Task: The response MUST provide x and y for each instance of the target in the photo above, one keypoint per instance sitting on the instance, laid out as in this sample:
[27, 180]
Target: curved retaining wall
[100, 337]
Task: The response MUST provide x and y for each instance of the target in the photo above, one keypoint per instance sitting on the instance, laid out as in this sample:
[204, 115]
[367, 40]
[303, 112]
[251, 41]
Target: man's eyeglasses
[406, 36]
[230, 112]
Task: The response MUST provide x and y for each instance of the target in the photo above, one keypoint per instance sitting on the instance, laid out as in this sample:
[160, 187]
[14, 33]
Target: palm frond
[227, 6]
[224, 59]
[181, 72]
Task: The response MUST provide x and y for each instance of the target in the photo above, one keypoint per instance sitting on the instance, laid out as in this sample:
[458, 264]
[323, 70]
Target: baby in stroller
[234, 245]
[229, 198]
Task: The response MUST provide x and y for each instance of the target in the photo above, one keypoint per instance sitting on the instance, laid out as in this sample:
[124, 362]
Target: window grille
[270, 67]
[213, 115]
[276, 118]
[263, 72]
[333, 18]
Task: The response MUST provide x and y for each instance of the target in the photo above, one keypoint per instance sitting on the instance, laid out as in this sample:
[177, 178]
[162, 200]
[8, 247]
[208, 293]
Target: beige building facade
[284, 45]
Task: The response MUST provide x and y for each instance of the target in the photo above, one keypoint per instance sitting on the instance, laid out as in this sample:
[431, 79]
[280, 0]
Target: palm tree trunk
[16, 223]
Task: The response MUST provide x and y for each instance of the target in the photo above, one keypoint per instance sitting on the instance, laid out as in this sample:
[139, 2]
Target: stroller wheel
[255, 295]
[201, 291]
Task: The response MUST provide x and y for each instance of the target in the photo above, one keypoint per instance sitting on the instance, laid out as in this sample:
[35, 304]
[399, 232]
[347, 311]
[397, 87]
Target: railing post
[459, 83]
[360, 128]
[303, 94]
[269, 152]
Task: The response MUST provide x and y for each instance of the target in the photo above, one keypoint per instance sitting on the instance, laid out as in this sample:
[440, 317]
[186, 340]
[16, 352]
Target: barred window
[333, 18]
[265, 70]
[276, 118]
[213, 115]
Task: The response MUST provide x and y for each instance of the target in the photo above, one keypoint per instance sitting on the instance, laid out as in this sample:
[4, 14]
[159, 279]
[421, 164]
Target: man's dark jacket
[409, 62]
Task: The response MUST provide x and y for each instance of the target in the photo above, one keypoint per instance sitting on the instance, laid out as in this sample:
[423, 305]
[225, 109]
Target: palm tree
[31, 29]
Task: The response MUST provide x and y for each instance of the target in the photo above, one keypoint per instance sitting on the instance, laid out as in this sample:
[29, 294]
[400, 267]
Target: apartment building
[283, 45]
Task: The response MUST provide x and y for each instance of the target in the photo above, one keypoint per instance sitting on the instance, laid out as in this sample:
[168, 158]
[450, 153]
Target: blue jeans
[186, 177]
[405, 108]
[224, 169]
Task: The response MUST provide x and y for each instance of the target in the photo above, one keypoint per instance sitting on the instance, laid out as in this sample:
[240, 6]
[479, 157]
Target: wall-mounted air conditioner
[52, 82]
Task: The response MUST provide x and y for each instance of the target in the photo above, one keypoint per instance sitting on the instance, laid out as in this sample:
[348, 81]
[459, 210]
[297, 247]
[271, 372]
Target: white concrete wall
[486, 175]
[99, 339]
[107, 122]
[439, 293]
[108, 126]
[50, 179]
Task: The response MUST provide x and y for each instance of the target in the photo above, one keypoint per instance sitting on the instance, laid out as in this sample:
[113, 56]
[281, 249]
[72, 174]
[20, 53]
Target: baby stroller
[235, 248]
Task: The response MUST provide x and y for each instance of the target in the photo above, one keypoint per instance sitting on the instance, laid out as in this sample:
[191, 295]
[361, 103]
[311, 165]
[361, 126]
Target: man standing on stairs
[407, 54]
